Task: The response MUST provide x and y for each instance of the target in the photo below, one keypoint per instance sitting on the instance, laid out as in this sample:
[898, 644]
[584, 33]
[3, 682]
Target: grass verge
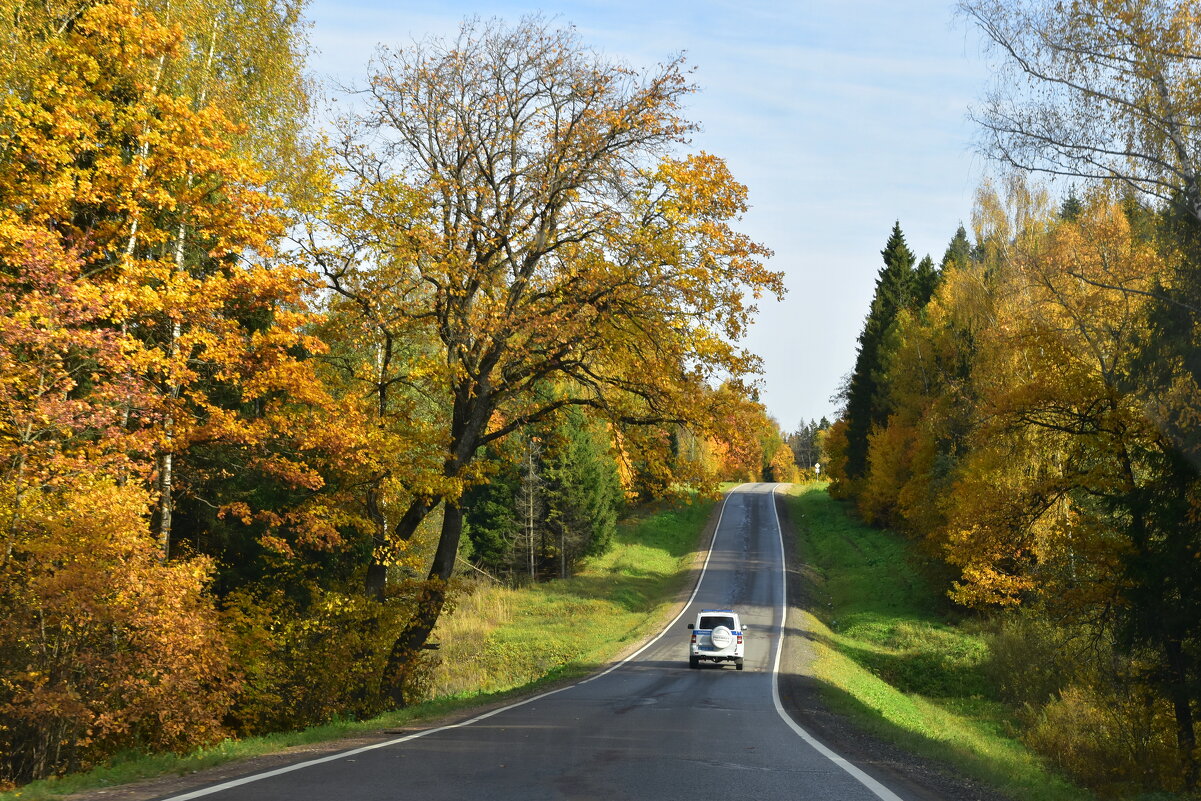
[499, 638]
[497, 643]
[890, 662]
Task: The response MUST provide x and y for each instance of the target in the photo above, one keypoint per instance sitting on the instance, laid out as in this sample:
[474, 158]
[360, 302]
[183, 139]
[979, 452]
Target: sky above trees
[840, 118]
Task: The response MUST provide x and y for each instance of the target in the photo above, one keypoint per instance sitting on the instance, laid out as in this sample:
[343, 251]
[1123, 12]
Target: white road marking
[217, 788]
[880, 790]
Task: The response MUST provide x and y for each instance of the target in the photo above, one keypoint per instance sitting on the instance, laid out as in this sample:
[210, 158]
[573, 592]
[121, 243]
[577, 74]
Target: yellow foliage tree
[530, 231]
[141, 318]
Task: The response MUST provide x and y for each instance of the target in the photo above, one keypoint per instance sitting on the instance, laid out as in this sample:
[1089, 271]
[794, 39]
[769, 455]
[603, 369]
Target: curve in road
[647, 727]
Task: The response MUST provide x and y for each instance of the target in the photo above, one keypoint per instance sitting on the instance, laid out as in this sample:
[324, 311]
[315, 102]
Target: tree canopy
[516, 202]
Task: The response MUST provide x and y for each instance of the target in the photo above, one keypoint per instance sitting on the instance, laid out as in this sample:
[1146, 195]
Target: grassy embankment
[893, 664]
[498, 642]
[500, 638]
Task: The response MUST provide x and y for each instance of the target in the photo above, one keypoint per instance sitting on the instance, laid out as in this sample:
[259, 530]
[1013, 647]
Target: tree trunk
[1186, 735]
[472, 410]
[429, 603]
[166, 457]
[377, 570]
[166, 503]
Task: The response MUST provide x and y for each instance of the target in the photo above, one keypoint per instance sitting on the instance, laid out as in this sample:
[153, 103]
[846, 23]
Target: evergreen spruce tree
[553, 502]
[491, 522]
[894, 291]
[1071, 207]
[925, 280]
[959, 250]
[583, 492]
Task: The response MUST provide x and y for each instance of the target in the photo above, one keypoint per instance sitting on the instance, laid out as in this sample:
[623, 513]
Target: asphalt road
[649, 728]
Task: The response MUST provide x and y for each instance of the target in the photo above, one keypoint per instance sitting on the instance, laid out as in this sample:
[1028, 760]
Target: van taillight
[740, 639]
[694, 638]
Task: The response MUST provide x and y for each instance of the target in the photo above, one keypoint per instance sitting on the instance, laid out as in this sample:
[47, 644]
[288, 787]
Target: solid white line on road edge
[880, 790]
[229, 785]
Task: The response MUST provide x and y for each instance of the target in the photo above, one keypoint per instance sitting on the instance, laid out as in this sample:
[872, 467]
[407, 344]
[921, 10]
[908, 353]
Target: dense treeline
[806, 446]
[1029, 412]
[256, 384]
[1028, 428]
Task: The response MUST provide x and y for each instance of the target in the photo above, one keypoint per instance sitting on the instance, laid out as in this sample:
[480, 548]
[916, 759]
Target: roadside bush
[304, 665]
[1082, 706]
[102, 648]
[1118, 741]
[1031, 659]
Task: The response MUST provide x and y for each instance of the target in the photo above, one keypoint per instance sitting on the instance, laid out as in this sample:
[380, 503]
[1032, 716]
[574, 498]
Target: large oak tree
[516, 204]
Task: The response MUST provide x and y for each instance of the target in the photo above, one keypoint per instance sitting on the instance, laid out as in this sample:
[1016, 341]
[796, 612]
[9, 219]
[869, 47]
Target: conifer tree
[583, 492]
[577, 498]
[894, 291]
[925, 279]
[1071, 207]
[959, 250]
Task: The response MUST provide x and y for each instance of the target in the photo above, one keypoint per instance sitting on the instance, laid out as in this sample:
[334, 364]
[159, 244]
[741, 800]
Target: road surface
[648, 728]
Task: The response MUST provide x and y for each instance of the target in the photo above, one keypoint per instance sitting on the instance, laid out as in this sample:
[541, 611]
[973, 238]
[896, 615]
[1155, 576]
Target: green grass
[497, 643]
[890, 662]
[499, 638]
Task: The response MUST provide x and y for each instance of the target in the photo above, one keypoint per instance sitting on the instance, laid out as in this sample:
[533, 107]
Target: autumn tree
[103, 648]
[1107, 92]
[1071, 493]
[1110, 91]
[746, 443]
[146, 186]
[1114, 97]
[925, 381]
[515, 193]
[1040, 409]
[1099, 91]
[157, 384]
[805, 443]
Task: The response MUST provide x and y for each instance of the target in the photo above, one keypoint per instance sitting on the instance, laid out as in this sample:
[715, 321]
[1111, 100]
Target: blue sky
[840, 117]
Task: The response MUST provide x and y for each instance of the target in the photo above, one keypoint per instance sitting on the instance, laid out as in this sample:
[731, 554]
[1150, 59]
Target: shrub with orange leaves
[102, 648]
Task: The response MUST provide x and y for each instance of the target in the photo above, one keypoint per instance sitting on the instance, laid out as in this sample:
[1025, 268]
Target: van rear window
[713, 621]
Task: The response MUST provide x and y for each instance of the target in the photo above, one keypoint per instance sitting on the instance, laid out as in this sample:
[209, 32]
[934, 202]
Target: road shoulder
[914, 778]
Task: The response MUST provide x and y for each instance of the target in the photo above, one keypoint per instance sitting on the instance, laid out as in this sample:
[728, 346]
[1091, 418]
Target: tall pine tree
[894, 291]
[570, 480]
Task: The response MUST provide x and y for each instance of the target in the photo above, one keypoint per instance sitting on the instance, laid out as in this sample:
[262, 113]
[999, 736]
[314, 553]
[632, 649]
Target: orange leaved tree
[139, 319]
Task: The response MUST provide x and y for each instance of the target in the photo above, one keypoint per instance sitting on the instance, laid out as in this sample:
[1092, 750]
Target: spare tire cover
[721, 637]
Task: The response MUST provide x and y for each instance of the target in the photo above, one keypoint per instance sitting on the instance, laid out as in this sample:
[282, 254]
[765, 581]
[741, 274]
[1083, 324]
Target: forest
[273, 373]
[1026, 411]
[267, 380]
